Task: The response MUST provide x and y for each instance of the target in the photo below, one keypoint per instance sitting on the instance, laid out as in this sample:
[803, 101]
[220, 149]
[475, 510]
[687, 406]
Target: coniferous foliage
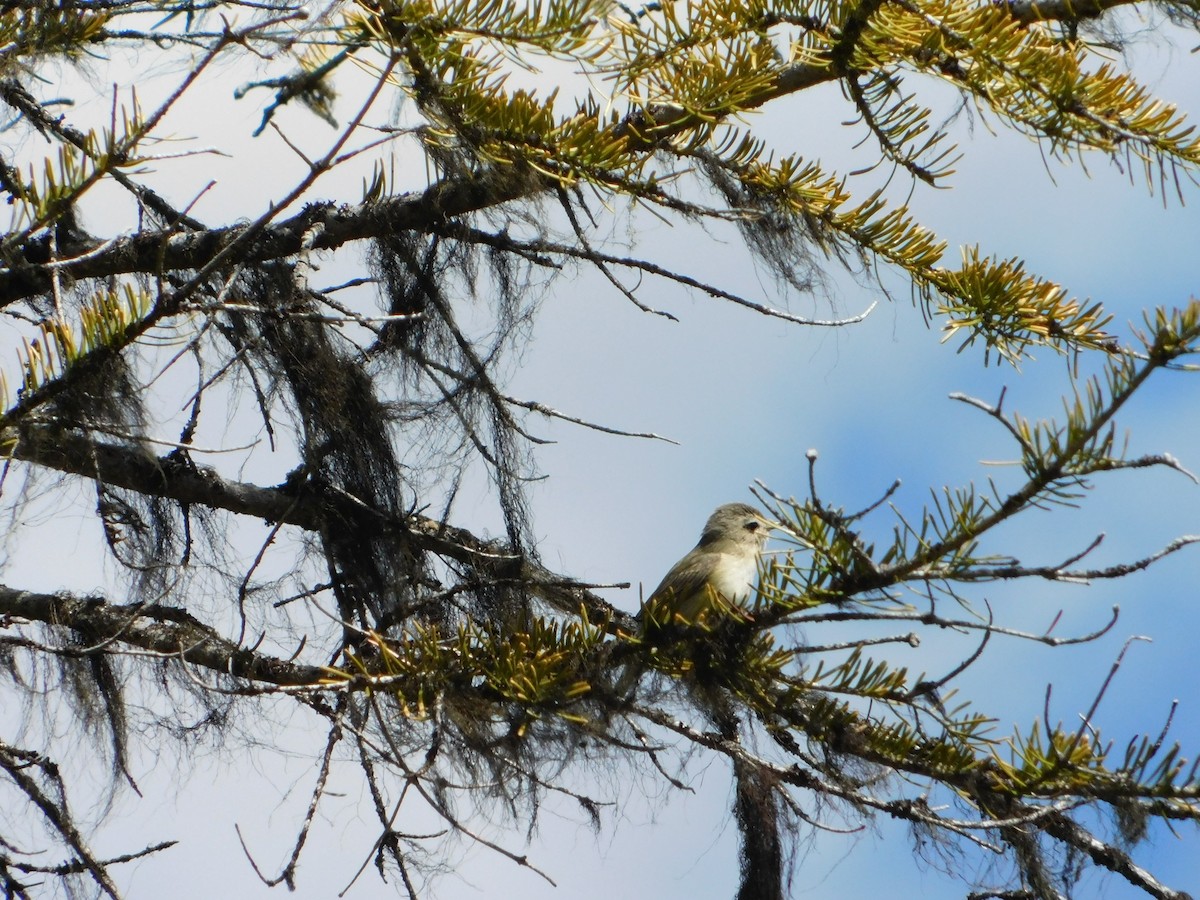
[457, 672]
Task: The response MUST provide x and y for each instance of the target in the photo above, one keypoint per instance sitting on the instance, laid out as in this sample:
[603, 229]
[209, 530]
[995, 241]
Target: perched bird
[720, 569]
[718, 576]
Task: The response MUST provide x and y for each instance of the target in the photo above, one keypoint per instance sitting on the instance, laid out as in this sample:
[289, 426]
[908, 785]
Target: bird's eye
[753, 525]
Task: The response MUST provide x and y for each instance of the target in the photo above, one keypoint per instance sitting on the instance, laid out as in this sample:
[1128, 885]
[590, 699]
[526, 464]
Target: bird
[710, 587]
[719, 572]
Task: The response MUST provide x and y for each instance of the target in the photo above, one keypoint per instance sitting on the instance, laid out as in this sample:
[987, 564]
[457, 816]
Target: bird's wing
[685, 587]
[684, 579]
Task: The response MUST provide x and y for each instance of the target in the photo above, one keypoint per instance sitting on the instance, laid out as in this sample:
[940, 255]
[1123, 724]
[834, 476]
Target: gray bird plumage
[717, 576]
[722, 566]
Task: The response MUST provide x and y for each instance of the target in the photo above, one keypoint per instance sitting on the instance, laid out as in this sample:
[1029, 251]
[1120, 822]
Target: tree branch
[306, 506]
[16, 764]
[328, 225]
[157, 629]
[1029, 11]
[319, 226]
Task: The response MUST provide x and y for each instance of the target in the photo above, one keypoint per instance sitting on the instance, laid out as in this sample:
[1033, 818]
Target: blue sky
[746, 397]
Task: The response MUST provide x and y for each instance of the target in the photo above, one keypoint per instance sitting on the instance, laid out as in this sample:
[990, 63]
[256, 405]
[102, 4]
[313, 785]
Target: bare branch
[162, 630]
[172, 478]
[55, 812]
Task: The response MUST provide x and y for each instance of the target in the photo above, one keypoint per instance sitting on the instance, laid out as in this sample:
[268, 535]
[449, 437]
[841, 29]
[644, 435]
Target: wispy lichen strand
[687, 74]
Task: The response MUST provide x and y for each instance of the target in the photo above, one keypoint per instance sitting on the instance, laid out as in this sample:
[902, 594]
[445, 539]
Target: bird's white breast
[734, 575]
